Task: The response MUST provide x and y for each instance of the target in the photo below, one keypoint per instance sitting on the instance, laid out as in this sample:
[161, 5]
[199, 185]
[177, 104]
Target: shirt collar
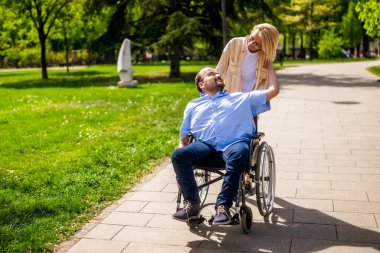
[218, 94]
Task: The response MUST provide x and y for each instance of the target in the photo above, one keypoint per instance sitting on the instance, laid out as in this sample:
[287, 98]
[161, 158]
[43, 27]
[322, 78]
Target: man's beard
[218, 85]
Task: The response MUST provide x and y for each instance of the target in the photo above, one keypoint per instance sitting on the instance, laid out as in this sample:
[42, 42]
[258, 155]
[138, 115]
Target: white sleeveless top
[248, 70]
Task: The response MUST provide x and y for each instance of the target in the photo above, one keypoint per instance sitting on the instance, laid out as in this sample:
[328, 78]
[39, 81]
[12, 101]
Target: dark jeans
[236, 157]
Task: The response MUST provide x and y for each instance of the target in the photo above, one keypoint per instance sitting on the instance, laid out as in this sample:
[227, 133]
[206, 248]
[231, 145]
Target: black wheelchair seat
[212, 162]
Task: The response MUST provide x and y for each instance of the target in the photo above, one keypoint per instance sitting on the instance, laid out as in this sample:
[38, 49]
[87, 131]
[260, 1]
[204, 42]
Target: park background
[72, 142]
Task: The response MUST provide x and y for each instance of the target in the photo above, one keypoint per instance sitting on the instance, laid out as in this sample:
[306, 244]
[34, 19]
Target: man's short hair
[200, 76]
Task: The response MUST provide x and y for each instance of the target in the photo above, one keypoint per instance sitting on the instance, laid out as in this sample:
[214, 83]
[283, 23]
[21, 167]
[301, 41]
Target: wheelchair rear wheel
[201, 177]
[265, 177]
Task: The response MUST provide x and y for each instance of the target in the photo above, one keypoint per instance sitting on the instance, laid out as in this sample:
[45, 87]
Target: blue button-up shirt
[224, 119]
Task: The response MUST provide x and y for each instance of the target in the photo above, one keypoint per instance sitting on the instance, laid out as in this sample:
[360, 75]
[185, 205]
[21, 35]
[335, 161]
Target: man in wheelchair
[222, 125]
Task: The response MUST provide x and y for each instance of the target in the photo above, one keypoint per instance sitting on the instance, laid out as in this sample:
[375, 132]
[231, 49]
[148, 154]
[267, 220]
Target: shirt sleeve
[185, 127]
[258, 101]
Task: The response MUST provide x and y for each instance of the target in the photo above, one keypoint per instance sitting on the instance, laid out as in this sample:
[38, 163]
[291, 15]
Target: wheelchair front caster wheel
[246, 219]
[192, 223]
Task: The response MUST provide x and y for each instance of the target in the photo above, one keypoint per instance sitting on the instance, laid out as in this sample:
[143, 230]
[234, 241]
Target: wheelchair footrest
[197, 221]
[234, 220]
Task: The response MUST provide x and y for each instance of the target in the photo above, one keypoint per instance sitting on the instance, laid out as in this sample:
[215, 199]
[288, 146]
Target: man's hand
[273, 88]
[184, 142]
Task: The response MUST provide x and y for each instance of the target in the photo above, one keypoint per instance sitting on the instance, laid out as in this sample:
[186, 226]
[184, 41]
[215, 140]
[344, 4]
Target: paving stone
[308, 245]
[171, 188]
[97, 246]
[359, 186]
[358, 234]
[292, 203]
[325, 150]
[153, 187]
[278, 215]
[154, 196]
[167, 172]
[104, 231]
[161, 236]
[163, 179]
[328, 176]
[374, 195]
[299, 168]
[301, 156]
[155, 248]
[367, 163]
[356, 206]
[299, 230]
[285, 192]
[354, 170]
[246, 243]
[329, 194]
[306, 184]
[334, 218]
[131, 206]
[166, 222]
[371, 178]
[286, 175]
[328, 162]
[129, 219]
[159, 208]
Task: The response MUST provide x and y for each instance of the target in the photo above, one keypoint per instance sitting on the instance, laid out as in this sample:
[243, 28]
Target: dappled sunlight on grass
[68, 153]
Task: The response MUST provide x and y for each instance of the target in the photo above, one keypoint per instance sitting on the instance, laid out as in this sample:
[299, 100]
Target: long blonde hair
[269, 37]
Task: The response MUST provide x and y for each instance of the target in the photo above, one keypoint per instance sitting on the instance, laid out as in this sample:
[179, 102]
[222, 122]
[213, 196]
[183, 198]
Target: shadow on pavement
[282, 232]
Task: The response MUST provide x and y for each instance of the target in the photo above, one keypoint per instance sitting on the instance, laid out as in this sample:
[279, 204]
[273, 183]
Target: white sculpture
[124, 65]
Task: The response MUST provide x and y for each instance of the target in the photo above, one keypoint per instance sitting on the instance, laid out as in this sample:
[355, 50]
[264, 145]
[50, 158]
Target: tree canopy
[48, 32]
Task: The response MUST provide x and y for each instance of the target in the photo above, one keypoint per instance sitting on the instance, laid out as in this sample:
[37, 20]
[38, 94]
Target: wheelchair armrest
[191, 138]
[258, 135]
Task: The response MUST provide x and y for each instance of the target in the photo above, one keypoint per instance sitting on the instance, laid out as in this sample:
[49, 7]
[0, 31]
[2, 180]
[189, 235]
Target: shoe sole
[190, 218]
[222, 223]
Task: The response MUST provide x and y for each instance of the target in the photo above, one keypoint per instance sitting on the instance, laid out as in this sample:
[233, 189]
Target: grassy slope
[375, 70]
[72, 144]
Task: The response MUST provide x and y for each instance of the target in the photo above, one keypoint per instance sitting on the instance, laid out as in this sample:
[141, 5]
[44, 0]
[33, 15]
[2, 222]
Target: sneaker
[222, 216]
[188, 212]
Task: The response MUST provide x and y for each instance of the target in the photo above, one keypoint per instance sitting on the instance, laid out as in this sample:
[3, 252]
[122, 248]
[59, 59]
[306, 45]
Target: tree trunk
[284, 46]
[311, 46]
[294, 46]
[365, 45]
[42, 38]
[303, 51]
[66, 50]
[358, 51]
[175, 62]
[311, 31]
[224, 23]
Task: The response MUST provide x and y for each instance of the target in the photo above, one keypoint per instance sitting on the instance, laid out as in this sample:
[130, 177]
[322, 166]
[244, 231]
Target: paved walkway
[325, 131]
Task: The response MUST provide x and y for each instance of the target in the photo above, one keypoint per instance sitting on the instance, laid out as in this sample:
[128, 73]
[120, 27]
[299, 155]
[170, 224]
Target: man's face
[212, 81]
[254, 42]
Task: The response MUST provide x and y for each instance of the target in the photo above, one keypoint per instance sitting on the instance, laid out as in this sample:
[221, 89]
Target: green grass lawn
[375, 70]
[71, 145]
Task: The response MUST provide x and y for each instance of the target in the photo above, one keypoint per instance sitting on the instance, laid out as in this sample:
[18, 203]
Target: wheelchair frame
[262, 171]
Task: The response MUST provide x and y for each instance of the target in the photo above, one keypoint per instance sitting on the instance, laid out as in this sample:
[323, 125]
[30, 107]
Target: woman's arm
[273, 88]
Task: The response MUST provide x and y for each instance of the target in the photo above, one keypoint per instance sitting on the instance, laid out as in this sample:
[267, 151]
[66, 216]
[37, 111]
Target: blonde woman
[246, 63]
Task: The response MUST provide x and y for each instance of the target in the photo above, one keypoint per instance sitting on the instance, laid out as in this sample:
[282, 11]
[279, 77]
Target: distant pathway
[324, 128]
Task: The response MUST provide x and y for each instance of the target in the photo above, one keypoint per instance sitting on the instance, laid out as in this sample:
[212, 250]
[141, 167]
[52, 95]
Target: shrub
[330, 45]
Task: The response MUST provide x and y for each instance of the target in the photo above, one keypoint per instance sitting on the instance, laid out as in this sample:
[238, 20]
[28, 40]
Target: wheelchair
[261, 170]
